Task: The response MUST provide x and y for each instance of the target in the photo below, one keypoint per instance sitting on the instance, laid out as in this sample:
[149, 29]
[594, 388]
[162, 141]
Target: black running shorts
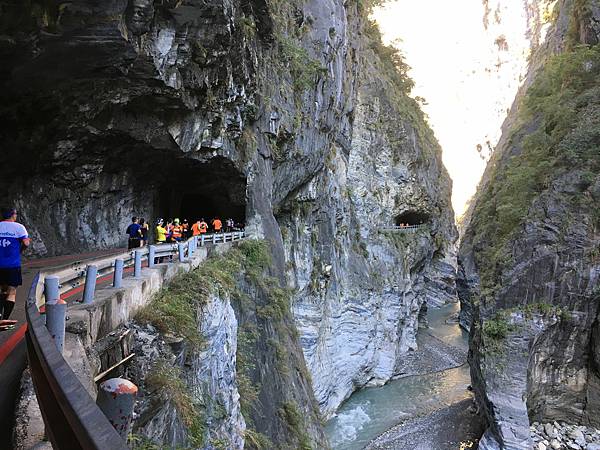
[11, 277]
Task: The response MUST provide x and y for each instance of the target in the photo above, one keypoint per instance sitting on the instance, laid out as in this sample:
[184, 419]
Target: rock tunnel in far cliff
[412, 218]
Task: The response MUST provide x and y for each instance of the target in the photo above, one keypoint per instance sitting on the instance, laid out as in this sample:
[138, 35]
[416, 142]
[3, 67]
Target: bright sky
[458, 68]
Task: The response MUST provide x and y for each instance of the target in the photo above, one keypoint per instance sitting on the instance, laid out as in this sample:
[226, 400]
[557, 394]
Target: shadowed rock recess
[529, 261]
[288, 115]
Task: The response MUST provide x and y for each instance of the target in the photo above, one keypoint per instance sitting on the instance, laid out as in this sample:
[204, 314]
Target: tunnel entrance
[411, 218]
[195, 190]
[199, 206]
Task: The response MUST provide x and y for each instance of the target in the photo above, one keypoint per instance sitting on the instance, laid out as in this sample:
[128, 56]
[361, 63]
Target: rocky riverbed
[428, 407]
[455, 427]
[558, 435]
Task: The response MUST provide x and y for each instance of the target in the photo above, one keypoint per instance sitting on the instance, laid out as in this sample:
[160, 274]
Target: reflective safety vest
[203, 227]
[195, 229]
[177, 231]
[217, 224]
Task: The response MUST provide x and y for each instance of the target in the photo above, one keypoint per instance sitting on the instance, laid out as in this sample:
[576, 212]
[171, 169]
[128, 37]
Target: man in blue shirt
[134, 230]
[13, 237]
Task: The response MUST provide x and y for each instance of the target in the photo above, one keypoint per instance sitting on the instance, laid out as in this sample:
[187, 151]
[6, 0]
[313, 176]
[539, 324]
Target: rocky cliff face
[290, 116]
[528, 258]
[360, 287]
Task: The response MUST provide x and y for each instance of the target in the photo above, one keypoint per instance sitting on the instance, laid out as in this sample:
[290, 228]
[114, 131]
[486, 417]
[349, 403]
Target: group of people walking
[175, 230]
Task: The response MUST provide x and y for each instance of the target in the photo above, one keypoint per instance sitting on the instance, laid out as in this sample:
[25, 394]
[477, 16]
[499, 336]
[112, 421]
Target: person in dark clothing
[135, 233]
[186, 229]
[144, 227]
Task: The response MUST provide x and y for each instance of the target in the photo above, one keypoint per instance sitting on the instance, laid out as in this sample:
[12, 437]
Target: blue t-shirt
[133, 230]
[11, 235]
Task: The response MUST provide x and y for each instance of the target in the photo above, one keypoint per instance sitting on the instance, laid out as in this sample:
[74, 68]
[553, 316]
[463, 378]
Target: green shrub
[247, 26]
[290, 412]
[564, 101]
[304, 69]
[496, 328]
[167, 380]
[254, 440]
[173, 310]
[248, 391]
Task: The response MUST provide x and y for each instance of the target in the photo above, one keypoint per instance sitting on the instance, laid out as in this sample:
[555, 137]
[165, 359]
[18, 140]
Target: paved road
[13, 359]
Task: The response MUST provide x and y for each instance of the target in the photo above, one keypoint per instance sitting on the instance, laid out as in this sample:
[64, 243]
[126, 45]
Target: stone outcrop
[289, 116]
[210, 373]
[528, 264]
[559, 435]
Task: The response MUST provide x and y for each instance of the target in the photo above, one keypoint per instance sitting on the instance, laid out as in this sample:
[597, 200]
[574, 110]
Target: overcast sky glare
[466, 75]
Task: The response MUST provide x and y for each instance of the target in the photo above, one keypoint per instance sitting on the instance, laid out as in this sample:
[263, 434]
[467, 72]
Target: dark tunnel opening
[411, 218]
[87, 204]
[195, 190]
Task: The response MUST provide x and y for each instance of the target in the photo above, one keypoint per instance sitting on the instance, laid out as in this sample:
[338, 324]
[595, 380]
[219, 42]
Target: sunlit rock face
[361, 286]
[285, 111]
[468, 78]
[528, 265]
[517, 36]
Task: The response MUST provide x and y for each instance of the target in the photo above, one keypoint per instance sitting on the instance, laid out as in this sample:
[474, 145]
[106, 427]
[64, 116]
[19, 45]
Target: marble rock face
[534, 331]
[287, 116]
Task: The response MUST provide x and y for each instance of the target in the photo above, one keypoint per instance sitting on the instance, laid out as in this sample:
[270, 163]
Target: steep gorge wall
[291, 112]
[528, 258]
[360, 287]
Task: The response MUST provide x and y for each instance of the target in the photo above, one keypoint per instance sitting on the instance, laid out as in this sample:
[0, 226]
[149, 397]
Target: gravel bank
[451, 428]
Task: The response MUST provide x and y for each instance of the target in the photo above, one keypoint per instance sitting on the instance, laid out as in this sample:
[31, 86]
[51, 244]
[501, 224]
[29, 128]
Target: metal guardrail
[405, 228]
[72, 419]
[73, 275]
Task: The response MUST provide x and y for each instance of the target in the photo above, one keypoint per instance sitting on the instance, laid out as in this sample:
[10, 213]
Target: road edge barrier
[72, 418]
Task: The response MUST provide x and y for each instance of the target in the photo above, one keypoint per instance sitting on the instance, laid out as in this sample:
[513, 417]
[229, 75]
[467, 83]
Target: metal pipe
[51, 289]
[116, 399]
[56, 312]
[91, 273]
[56, 315]
[137, 266]
[151, 255]
[118, 276]
[180, 251]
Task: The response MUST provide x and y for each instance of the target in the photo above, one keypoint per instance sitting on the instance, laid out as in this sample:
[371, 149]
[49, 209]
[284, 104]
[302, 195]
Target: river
[372, 411]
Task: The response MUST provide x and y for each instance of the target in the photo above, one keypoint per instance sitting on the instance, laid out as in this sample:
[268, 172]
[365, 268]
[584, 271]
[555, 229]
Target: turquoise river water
[372, 411]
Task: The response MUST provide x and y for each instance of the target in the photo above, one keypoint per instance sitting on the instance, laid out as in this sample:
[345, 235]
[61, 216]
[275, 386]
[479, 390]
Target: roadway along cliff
[529, 256]
[291, 116]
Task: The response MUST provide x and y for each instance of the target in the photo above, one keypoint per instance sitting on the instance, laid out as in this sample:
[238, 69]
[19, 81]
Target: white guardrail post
[151, 255]
[56, 311]
[181, 251]
[191, 246]
[91, 273]
[137, 264]
[118, 275]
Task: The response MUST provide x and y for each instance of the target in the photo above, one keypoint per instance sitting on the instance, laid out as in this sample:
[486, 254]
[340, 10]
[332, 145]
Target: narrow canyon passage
[350, 157]
[440, 385]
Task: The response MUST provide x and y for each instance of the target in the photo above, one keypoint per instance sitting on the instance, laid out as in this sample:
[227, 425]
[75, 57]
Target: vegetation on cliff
[261, 303]
[563, 103]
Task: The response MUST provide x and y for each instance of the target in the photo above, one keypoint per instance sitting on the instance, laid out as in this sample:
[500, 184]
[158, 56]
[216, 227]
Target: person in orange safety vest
[217, 225]
[177, 231]
[203, 227]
